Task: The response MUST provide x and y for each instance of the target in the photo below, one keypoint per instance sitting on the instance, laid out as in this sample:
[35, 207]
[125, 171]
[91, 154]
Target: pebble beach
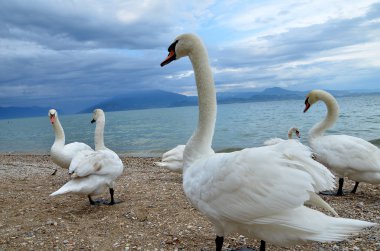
[153, 213]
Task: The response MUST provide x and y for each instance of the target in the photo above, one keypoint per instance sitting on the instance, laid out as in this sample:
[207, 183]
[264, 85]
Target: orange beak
[169, 58]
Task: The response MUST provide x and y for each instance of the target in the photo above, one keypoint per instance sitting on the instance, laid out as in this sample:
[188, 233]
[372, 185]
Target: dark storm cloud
[71, 54]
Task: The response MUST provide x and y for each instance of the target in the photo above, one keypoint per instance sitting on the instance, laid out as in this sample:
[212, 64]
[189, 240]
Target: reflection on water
[151, 132]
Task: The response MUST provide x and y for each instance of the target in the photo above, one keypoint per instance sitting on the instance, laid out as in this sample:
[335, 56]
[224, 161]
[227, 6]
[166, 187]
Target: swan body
[93, 171]
[274, 141]
[345, 155]
[62, 154]
[173, 159]
[257, 191]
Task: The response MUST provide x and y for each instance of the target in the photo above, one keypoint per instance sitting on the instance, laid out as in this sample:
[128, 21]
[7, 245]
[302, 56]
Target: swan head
[183, 45]
[313, 97]
[295, 130]
[52, 115]
[96, 115]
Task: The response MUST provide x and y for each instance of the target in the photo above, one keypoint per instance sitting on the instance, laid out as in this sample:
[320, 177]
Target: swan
[323, 178]
[93, 171]
[274, 141]
[172, 159]
[256, 191]
[62, 154]
[345, 155]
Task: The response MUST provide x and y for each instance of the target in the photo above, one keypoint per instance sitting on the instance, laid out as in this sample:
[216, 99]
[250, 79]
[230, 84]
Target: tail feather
[303, 224]
[316, 200]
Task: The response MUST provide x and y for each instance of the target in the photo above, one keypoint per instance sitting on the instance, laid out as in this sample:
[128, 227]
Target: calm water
[151, 132]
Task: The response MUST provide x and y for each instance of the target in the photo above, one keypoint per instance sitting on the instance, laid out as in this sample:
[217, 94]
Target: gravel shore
[154, 213]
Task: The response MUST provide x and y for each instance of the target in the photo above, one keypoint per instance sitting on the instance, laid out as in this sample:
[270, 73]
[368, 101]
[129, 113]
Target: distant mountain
[22, 112]
[135, 100]
[160, 99]
[144, 100]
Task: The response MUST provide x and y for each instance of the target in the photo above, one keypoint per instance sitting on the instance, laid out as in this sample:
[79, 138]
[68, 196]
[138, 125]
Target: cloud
[74, 53]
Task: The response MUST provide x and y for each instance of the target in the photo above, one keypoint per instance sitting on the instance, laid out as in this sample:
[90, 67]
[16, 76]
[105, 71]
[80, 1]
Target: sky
[73, 53]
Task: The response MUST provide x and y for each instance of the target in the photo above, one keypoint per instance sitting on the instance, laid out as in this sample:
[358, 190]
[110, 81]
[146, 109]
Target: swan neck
[99, 134]
[331, 117]
[59, 133]
[200, 142]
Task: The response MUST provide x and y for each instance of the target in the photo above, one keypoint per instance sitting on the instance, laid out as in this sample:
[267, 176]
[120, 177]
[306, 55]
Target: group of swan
[91, 171]
[257, 192]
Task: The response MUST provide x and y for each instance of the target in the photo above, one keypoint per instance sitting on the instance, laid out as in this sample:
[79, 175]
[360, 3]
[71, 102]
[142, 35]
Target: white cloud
[181, 75]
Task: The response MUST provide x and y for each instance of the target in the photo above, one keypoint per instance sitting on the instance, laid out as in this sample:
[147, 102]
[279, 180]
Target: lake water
[153, 131]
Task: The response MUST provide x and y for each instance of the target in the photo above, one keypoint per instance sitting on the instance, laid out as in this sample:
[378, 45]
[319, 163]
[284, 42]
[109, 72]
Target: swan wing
[347, 152]
[302, 154]
[246, 185]
[102, 162]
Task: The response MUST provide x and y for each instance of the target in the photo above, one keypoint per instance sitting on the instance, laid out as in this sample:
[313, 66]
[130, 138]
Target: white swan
[93, 171]
[257, 191]
[345, 155]
[274, 141]
[323, 178]
[173, 159]
[62, 154]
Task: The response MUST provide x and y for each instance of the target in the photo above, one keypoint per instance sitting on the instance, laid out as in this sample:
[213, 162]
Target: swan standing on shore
[62, 154]
[345, 155]
[257, 192]
[93, 171]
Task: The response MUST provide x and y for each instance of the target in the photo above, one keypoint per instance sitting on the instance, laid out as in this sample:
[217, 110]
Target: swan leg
[340, 189]
[355, 187]
[112, 202]
[219, 243]
[91, 201]
[338, 193]
[262, 245]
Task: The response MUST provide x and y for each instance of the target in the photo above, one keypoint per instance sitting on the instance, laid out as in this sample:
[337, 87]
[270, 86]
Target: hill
[143, 100]
[22, 112]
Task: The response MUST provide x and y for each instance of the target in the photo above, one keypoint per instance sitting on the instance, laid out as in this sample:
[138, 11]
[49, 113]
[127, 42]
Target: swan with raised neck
[256, 191]
[332, 111]
[199, 145]
[62, 154]
[346, 155]
[58, 129]
[100, 119]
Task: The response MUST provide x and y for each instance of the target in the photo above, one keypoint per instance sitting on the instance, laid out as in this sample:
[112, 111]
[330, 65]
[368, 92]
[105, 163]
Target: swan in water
[62, 154]
[93, 171]
[345, 155]
[173, 159]
[256, 191]
[274, 141]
